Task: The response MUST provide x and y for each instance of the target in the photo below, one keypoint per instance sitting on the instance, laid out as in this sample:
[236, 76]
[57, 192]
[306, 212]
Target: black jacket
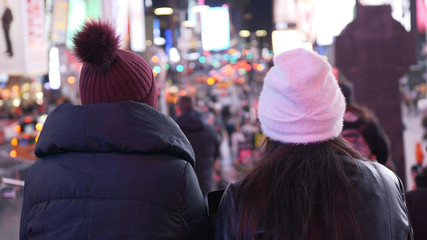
[373, 134]
[205, 144]
[112, 171]
[382, 215]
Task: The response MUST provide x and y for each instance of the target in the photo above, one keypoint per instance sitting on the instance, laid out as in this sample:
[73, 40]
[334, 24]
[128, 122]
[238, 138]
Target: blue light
[157, 69]
[180, 68]
[202, 59]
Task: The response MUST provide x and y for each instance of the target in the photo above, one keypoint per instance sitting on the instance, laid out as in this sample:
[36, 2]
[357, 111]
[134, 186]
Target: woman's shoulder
[373, 177]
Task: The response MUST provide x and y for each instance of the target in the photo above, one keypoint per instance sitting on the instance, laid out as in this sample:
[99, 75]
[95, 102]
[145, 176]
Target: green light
[227, 57]
[180, 68]
[250, 55]
[202, 59]
[166, 66]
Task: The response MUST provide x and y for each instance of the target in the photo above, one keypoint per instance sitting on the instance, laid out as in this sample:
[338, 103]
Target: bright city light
[163, 11]
[180, 68]
[54, 72]
[261, 33]
[244, 33]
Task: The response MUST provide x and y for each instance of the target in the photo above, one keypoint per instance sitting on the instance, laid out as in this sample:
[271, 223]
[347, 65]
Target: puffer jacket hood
[191, 121]
[92, 128]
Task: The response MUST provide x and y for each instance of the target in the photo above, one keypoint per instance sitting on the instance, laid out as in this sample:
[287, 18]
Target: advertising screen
[215, 28]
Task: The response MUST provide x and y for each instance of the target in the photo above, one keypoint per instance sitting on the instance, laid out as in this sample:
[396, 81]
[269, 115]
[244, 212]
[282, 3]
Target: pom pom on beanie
[300, 101]
[110, 74]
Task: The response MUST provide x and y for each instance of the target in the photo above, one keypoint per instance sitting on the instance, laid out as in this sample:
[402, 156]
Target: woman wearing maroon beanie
[115, 167]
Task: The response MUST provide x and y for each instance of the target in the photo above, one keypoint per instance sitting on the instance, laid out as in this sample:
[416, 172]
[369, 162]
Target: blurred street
[11, 197]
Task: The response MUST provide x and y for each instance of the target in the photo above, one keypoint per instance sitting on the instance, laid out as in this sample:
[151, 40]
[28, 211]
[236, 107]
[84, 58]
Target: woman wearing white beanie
[310, 183]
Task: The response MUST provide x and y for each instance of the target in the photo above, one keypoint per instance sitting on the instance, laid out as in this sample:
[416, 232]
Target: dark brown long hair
[300, 191]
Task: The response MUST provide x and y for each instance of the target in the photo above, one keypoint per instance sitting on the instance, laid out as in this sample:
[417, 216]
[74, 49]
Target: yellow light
[199, 8]
[260, 67]
[261, 33]
[163, 11]
[244, 33]
[39, 126]
[37, 138]
[18, 129]
[13, 153]
[211, 81]
[71, 80]
[189, 24]
[14, 142]
[155, 73]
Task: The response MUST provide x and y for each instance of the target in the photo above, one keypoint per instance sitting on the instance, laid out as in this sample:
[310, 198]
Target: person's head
[302, 171]
[183, 105]
[421, 179]
[347, 91]
[111, 74]
[300, 101]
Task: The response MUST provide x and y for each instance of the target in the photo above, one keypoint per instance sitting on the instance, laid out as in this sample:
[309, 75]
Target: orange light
[13, 153]
[18, 129]
[155, 59]
[211, 81]
[39, 126]
[71, 80]
[260, 67]
[37, 138]
[182, 92]
[14, 142]
[154, 73]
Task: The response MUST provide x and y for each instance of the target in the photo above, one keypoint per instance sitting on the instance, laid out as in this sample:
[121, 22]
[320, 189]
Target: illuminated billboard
[215, 28]
[286, 40]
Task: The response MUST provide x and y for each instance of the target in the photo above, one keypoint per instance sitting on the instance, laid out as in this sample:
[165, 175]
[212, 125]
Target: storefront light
[163, 11]
[16, 102]
[261, 33]
[174, 55]
[189, 24]
[244, 33]
[26, 96]
[39, 95]
[199, 8]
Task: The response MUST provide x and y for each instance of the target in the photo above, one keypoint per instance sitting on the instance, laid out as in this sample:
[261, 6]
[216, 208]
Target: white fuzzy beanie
[301, 101]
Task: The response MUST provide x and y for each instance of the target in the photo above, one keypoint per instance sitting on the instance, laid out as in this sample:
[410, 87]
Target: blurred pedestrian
[203, 138]
[372, 141]
[416, 201]
[310, 183]
[115, 167]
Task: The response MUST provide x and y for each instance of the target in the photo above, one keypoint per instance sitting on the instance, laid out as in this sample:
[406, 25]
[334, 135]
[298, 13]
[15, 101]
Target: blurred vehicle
[27, 133]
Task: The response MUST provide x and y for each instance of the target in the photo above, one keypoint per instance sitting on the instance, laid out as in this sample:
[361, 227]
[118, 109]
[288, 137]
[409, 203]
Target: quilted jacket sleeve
[224, 221]
[196, 222]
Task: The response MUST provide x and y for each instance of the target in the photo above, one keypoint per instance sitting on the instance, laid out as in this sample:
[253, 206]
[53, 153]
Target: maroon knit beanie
[110, 74]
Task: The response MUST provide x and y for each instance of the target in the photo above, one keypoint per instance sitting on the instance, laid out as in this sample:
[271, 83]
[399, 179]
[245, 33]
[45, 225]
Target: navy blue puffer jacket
[112, 171]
